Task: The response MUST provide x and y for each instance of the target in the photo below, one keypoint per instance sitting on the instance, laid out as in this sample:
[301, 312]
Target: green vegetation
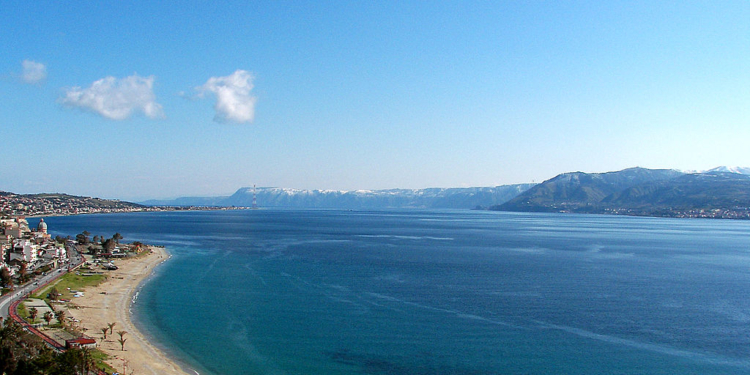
[22, 311]
[5, 278]
[71, 281]
[22, 353]
[99, 357]
[640, 191]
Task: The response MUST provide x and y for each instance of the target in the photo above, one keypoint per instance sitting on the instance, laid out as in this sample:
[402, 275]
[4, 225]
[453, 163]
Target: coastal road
[20, 292]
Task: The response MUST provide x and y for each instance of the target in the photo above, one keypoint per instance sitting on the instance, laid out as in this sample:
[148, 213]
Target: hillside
[688, 192]
[578, 190]
[60, 204]
[639, 191]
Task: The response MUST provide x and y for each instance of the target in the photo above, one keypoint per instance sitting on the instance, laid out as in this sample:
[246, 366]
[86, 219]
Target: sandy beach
[110, 302]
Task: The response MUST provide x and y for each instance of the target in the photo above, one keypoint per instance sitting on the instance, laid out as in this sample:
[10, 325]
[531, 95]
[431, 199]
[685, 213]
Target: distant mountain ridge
[719, 192]
[579, 189]
[466, 198]
[738, 170]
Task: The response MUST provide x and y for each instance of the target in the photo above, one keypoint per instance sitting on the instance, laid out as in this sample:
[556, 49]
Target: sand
[96, 309]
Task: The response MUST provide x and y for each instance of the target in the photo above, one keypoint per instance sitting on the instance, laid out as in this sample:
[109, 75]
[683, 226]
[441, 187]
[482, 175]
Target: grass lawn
[99, 357]
[22, 311]
[72, 281]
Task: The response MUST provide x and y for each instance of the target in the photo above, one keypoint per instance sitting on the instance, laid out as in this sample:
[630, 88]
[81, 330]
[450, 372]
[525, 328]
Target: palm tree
[60, 315]
[111, 325]
[122, 343]
[48, 316]
[33, 312]
[122, 333]
[104, 331]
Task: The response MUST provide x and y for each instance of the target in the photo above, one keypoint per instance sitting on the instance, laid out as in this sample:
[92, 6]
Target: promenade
[106, 303]
[110, 302]
[20, 292]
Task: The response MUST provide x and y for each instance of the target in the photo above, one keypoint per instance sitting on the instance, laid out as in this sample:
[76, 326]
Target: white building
[25, 250]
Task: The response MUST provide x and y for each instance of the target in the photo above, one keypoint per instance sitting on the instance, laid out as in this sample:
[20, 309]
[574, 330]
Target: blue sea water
[441, 292]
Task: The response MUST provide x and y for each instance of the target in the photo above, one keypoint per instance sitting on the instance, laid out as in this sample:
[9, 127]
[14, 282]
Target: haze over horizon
[146, 100]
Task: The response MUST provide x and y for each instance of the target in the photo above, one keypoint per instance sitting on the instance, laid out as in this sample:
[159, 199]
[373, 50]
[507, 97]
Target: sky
[146, 99]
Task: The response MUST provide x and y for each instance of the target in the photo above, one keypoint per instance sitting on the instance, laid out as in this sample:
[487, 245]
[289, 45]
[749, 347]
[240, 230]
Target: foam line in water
[663, 349]
[253, 272]
[401, 237]
[210, 267]
[458, 314]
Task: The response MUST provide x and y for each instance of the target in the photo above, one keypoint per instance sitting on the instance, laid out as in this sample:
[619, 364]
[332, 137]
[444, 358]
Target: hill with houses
[717, 193]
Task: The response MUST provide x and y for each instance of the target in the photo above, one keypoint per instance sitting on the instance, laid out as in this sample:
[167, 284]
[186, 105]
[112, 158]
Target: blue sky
[136, 100]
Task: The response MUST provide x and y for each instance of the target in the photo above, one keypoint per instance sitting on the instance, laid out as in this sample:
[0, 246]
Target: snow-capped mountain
[722, 169]
[462, 198]
[373, 199]
[725, 169]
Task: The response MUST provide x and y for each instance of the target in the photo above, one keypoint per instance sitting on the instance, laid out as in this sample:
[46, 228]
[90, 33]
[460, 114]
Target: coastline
[111, 302]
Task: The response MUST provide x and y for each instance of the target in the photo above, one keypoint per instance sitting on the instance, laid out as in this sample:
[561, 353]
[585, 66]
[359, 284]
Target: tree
[108, 245]
[82, 238]
[48, 316]
[60, 315]
[122, 343]
[122, 333]
[104, 332]
[23, 273]
[54, 294]
[73, 361]
[33, 312]
[91, 249]
[117, 237]
[22, 352]
[95, 239]
[111, 326]
[5, 277]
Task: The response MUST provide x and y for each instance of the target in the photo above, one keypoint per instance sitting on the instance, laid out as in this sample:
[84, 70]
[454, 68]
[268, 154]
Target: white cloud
[33, 72]
[233, 100]
[117, 98]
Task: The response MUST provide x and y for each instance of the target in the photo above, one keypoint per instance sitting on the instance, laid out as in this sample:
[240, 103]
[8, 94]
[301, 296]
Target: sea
[275, 291]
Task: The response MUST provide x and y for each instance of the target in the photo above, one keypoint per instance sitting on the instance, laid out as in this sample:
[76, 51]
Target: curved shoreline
[110, 302]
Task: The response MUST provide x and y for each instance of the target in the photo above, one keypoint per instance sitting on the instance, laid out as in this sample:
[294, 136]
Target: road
[21, 291]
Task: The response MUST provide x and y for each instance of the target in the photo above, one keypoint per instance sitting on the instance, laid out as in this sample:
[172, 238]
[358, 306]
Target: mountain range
[477, 197]
[719, 192]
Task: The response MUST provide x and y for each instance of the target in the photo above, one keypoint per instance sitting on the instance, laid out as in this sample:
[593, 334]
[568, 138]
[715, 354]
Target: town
[26, 252]
[41, 276]
[31, 205]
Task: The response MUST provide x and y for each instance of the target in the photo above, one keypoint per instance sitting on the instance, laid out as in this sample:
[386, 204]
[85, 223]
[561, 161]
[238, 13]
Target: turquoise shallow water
[442, 292]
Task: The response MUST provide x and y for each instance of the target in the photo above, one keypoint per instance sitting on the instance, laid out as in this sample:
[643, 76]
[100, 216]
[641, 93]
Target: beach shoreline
[110, 302]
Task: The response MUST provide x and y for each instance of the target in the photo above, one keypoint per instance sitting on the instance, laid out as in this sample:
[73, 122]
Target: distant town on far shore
[717, 193]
